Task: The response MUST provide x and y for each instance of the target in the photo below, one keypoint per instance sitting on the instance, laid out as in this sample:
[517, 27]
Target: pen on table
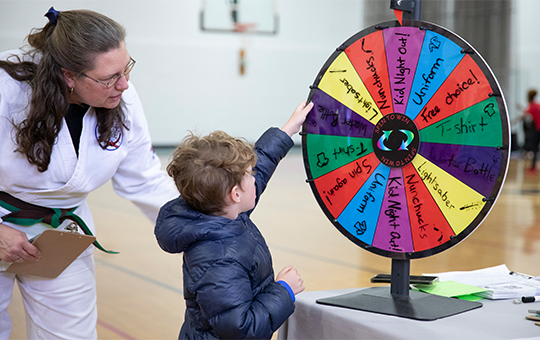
[527, 299]
[522, 275]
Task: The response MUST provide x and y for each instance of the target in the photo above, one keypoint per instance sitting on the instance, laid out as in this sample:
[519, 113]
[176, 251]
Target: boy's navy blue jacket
[229, 284]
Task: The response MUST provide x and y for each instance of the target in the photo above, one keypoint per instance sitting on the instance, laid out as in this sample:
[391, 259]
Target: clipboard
[58, 249]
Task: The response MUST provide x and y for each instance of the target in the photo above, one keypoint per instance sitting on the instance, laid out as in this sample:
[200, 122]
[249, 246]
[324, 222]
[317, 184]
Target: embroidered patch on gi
[116, 138]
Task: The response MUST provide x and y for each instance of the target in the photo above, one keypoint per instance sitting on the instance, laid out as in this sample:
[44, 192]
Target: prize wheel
[407, 145]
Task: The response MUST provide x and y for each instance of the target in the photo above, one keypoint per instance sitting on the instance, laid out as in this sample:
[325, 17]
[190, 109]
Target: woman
[69, 122]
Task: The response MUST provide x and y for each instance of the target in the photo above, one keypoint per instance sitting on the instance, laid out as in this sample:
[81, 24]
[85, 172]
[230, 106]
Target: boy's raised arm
[297, 119]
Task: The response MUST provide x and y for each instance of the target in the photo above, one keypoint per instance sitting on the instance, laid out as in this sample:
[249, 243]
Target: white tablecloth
[496, 319]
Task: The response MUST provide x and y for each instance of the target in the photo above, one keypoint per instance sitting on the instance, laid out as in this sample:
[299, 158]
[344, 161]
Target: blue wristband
[286, 285]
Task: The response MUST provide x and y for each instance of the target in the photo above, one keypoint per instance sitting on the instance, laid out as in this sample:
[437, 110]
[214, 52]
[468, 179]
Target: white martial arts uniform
[135, 172]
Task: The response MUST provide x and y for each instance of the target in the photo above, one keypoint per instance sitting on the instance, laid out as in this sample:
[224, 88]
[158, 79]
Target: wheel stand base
[415, 305]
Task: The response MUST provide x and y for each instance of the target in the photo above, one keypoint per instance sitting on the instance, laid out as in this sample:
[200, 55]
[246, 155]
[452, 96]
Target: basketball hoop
[243, 17]
[240, 27]
[245, 30]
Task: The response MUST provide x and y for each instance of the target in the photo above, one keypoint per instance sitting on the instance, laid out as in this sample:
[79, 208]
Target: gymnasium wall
[189, 79]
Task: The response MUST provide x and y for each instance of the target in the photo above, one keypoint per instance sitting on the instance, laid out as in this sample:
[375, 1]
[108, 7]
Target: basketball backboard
[239, 16]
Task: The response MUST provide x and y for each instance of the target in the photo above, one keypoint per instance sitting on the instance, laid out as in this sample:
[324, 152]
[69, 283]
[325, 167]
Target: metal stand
[397, 300]
[399, 282]
[412, 9]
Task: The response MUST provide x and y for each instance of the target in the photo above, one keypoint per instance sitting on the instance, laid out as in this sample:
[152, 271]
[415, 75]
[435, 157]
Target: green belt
[27, 214]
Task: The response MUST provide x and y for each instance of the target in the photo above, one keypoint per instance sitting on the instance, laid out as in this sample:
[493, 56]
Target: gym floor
[140, 290]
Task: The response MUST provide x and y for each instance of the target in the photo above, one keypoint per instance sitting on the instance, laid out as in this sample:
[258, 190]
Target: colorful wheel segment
[407, 146]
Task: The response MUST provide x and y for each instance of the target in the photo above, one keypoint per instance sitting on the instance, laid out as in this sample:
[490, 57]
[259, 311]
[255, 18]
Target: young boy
[229, 284]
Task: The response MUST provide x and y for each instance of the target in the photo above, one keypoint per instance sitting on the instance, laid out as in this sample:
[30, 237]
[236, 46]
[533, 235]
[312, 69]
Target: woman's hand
[14, 246]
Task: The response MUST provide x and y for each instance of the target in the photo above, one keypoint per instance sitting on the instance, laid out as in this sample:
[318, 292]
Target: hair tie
[52, 15]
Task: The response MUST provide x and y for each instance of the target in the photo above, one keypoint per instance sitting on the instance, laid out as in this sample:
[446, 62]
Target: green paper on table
[452, 289]
[471, 297]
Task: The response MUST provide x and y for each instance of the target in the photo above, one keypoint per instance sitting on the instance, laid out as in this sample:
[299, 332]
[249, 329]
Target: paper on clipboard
[58, 249]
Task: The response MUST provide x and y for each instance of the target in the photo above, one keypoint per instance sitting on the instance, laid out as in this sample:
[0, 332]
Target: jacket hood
[178, 226]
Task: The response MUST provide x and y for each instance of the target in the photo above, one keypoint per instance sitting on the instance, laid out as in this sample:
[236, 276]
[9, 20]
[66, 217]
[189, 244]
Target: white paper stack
[500, 282]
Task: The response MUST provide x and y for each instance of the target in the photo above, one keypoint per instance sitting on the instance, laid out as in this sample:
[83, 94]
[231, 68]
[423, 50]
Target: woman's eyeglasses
[112, 81]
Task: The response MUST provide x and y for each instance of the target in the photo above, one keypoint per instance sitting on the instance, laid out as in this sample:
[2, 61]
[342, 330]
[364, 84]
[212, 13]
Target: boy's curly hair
[205, 169]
